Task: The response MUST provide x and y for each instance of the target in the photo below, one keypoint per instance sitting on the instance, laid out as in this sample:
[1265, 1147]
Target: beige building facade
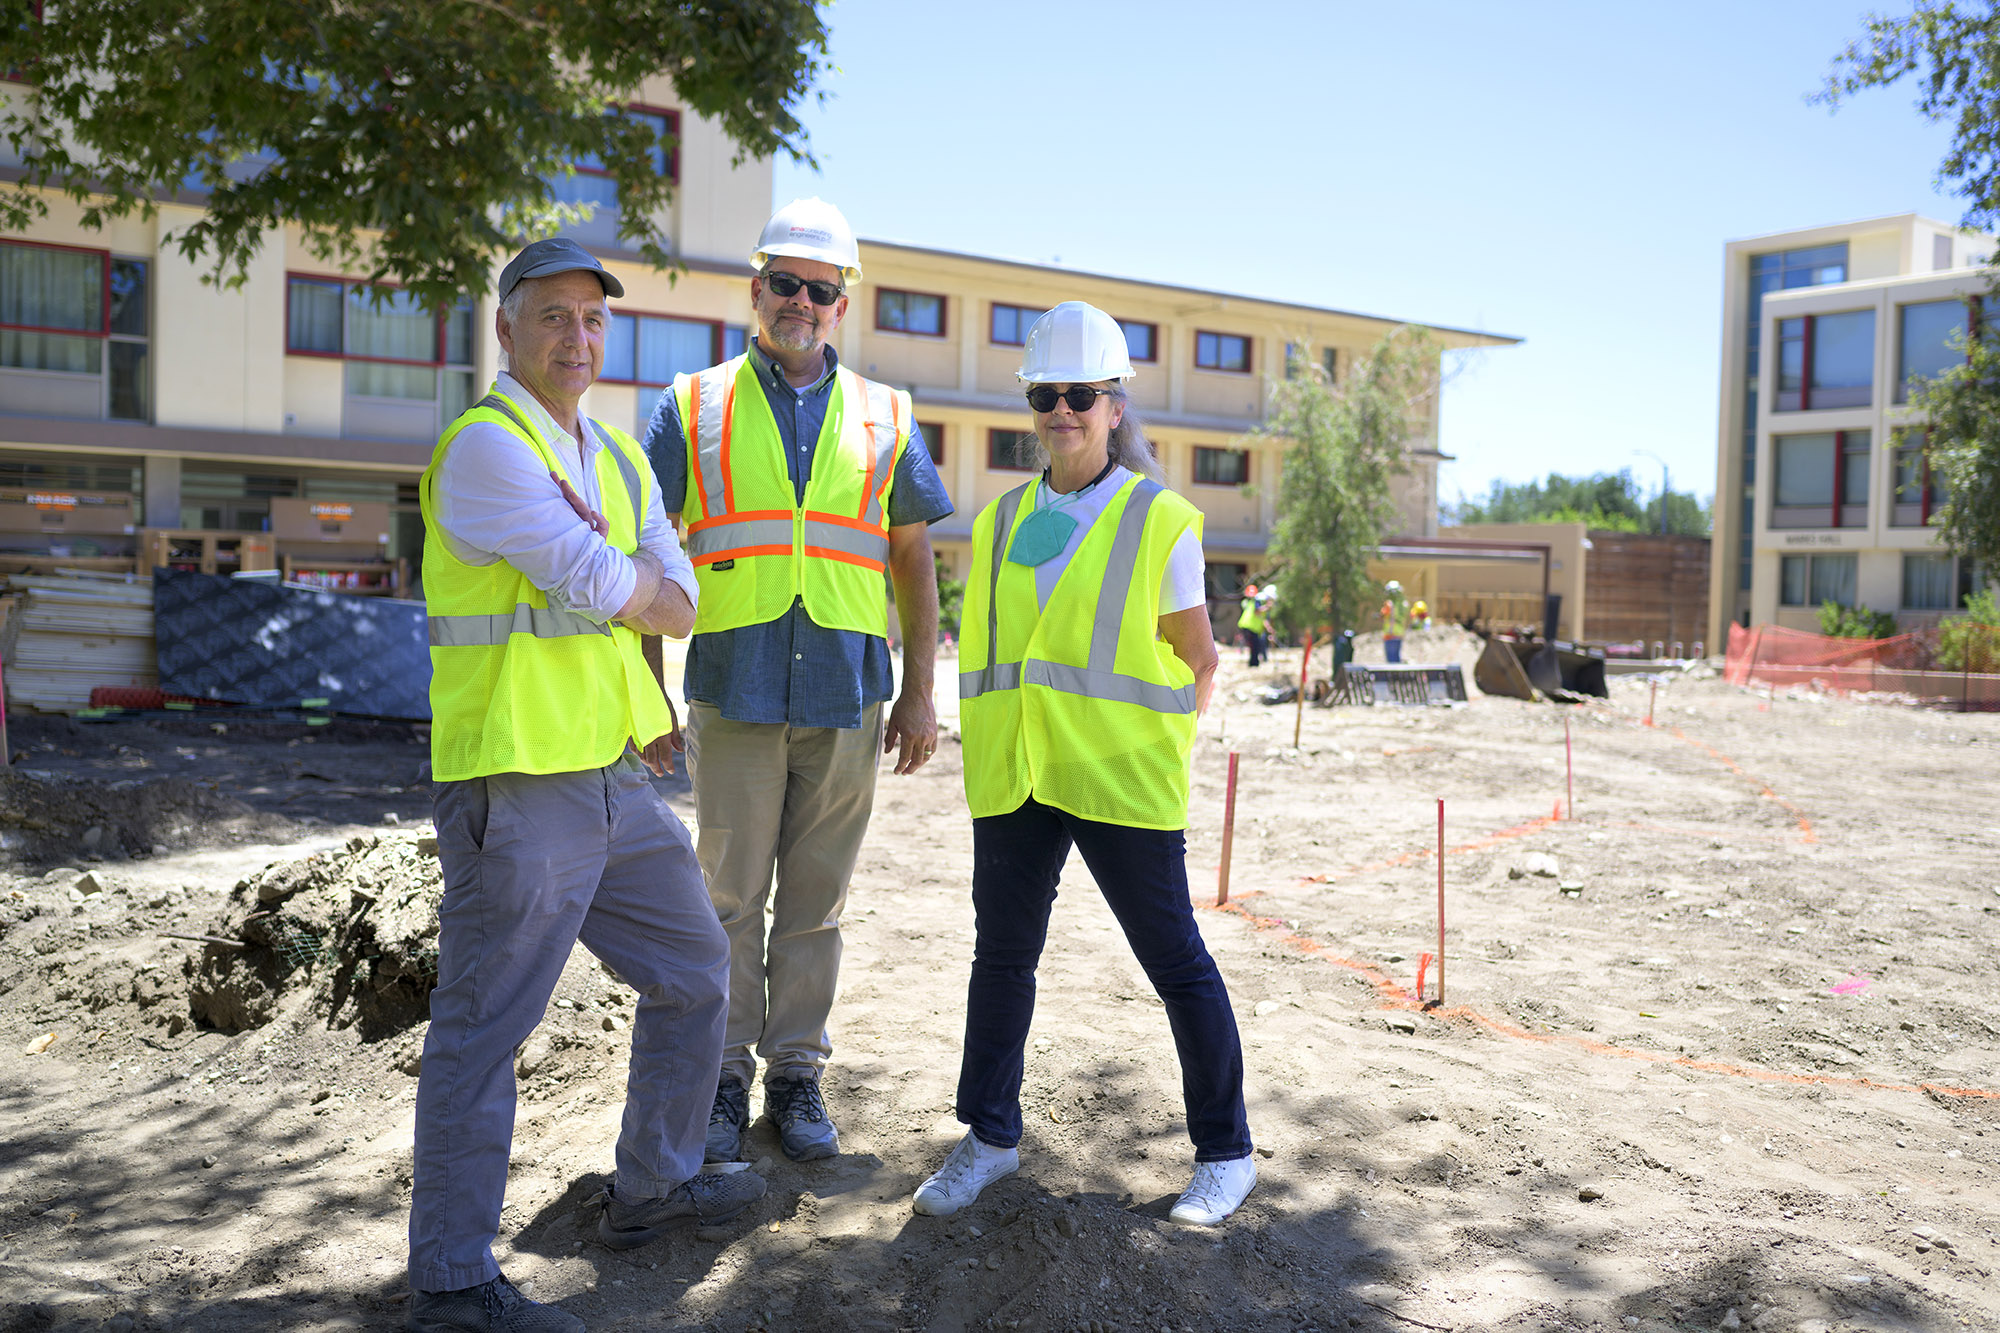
[146, 400]
[1823, 491]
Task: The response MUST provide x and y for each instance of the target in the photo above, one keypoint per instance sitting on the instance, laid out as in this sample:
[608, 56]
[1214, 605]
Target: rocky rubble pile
[357, 928]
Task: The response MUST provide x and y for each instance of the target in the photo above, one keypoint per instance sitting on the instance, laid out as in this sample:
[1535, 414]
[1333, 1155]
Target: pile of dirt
[46, 818]
[357, 928]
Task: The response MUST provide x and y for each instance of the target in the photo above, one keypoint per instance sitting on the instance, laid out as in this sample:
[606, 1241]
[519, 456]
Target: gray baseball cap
[558, 254]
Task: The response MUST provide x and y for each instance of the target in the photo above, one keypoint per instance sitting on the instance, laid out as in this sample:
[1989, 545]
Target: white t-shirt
[1182, 586]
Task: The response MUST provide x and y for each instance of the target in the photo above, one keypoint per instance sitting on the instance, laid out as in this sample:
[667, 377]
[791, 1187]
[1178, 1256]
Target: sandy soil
[1734, 1063]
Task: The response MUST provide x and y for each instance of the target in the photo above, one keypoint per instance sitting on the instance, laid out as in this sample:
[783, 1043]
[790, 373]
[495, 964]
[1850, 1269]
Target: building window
[1920, 492]
[1924, 341]
[933, 433]
[1821, 480]
[1010, 450]
[735, 340]
[909, 312]
[1808, 580]
[1294, 354]
[592, 185]
[408, 372]
[73, 332]
[1930, 582]
[1142, 340]
[1826, 361]
[649, 350]
[1010, 324]
[1221, 467]
[1222, 351]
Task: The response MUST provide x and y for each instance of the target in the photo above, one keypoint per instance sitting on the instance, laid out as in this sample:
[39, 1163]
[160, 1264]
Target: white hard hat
[1393, 586]
[809, 229]
[1075, 343]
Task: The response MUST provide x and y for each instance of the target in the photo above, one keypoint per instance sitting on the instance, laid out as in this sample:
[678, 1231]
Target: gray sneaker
[796, 1108]
[727, 1120]
[704, 1199]
[495, 1307]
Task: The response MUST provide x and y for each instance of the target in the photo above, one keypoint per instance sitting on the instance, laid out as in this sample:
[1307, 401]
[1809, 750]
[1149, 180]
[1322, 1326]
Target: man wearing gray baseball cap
[547, 553]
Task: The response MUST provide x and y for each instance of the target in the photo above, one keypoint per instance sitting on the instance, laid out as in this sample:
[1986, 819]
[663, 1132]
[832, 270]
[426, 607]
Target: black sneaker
[727, 1120]
[704, 1199]
[796, 1108]
[495, 1307]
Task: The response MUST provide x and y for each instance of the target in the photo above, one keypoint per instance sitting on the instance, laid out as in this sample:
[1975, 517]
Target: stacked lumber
[76, 633]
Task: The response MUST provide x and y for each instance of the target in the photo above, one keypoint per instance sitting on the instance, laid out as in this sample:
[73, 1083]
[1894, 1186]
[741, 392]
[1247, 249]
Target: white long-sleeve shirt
[494, 501]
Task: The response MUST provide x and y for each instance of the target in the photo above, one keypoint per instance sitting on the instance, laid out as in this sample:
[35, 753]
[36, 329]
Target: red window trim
[992, 466]
[1249, 465]
[103, 296]
[1249, 352]
[1154, 359]
[715, 327]
[933, 440]
[1001, 305]
[944, 312]
[673, 116]
[297, 275]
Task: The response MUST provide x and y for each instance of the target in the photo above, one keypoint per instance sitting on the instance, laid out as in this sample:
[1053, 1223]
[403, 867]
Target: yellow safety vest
[755, 547]
[1080, 704]
[1252, 619]
[519, 686]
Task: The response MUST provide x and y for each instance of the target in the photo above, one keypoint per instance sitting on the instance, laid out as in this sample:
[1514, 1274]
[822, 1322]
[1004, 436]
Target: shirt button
[798, 657]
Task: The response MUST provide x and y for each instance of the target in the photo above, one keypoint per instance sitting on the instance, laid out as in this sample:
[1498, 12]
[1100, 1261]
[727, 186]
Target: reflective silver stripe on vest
[544, 622]
[739, 533]
[711, 388]
[880, 404]
[850, 541]
[631, 476]
[972, 684]
[1099, 680]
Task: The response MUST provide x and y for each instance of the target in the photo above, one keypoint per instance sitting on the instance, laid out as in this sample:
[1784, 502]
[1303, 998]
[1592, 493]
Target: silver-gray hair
[1128, 446]
[510, 310]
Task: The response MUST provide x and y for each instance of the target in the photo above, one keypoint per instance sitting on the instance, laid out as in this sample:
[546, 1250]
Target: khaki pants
[790, 802]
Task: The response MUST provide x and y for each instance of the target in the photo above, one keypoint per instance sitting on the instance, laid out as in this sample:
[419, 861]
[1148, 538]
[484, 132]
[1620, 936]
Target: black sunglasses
[1080, 397]
[788, 284]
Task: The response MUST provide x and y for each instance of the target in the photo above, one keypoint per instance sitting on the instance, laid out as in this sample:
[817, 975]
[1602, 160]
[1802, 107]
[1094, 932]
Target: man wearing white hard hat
[1085, 654]
[801, 483]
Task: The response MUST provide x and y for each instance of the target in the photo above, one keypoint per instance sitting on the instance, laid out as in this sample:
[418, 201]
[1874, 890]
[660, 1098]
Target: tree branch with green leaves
[412, 140]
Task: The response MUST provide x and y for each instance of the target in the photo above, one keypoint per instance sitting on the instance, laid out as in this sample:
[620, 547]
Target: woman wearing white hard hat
[1085, 655]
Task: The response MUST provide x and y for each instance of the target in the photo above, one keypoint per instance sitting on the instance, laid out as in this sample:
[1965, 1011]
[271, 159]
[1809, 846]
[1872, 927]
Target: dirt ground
[1718, 1052]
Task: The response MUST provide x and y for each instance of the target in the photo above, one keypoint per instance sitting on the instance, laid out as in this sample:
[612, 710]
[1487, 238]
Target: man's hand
[598, 523]
[659, 754]
[669, 613]
[912, 730]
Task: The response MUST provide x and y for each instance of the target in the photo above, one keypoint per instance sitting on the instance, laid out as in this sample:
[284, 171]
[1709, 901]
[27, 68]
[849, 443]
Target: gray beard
[801, 341]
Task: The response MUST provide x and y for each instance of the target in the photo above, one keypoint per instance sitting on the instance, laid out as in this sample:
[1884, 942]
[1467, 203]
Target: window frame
[1248, 465]
[1806, 516]
[717, 333]
[673, 117]
[1809, 338]
[438, 342]
[944, 312]
[1809, 557]
[993, 313]
[1125, 326]
[1249, 366]
[933, 432]
[993, 434]
[1970, 308]
[105, 334]
[1955, 569]
[104, 258]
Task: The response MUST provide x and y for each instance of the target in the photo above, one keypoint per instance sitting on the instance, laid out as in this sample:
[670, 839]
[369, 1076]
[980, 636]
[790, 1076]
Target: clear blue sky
[1565, 172]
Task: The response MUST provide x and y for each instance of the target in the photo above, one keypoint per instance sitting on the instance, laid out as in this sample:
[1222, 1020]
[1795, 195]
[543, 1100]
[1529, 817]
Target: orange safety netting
[1957, 667]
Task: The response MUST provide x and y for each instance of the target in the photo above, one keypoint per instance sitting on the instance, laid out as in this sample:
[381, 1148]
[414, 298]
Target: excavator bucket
[1499, 671]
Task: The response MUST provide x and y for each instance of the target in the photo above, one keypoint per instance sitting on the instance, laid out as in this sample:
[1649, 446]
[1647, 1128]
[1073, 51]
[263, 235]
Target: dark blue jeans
[1016, 860]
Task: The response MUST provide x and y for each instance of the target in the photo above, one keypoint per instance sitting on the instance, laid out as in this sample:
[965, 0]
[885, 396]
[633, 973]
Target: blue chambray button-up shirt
[791, 670]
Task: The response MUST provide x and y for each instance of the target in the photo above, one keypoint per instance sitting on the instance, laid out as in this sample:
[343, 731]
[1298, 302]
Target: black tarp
[251, 642]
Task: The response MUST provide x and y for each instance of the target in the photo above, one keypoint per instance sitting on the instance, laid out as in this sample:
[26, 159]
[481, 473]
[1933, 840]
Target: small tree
[413, 137]
[1342, 449]
[1962, 411]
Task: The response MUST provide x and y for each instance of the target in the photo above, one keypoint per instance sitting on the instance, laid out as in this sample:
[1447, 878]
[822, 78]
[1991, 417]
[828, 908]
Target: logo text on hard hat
[820, 234]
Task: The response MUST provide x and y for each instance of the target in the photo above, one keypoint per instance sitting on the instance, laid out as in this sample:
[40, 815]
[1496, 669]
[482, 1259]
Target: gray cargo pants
[532, 864]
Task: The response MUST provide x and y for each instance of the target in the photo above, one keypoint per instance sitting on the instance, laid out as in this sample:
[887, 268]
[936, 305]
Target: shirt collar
[770, 372]
[539, 417]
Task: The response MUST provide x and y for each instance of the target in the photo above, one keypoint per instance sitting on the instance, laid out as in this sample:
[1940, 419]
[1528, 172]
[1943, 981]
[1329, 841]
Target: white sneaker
[1218, 1189]
[971, 1167]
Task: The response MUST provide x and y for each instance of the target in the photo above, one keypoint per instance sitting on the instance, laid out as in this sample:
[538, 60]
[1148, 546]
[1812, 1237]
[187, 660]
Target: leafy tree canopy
[1610, 500]
[1953, 52]
[1342, 449]
[410, 138]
